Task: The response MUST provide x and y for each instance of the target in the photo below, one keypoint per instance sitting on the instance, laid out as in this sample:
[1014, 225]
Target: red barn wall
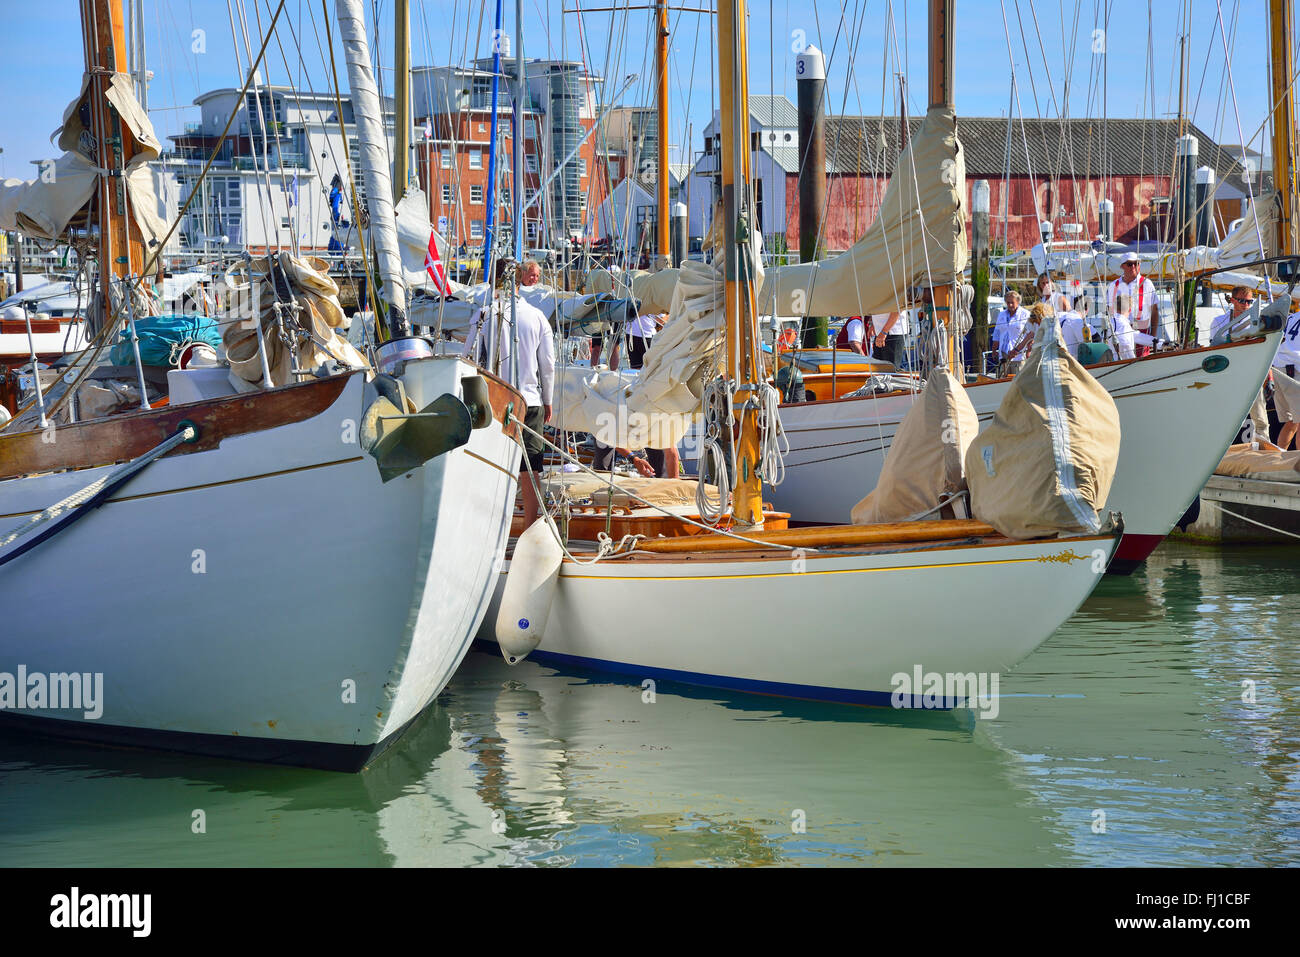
[854, 201]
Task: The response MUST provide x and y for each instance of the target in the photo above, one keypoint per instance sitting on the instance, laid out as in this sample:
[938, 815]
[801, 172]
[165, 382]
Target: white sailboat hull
[270, 598]
[1176, 421]
[838, 629]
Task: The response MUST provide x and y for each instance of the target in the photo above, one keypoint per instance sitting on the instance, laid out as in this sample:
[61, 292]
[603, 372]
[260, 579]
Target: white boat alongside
[285, 563]
[836, 613]
[821, 625]
[1178, 412]
[312, 610]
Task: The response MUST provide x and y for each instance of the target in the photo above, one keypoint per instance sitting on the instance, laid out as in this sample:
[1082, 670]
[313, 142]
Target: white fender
[530, 589]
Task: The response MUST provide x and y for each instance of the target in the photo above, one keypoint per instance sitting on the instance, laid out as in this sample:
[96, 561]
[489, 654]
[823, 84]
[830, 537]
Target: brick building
[1054, 170]
[453, 120]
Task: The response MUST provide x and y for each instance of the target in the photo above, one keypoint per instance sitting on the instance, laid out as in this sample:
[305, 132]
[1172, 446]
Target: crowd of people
[1128, 324]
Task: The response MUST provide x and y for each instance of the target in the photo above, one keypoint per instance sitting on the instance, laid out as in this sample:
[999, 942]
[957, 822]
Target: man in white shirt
[1010, 323]
[1286, 382]
[1144, 313]
[890, 337]
[1121, 323]
[1242, 299]
[854, 335]
[1074, 327]
[534, 292]
[533, 374]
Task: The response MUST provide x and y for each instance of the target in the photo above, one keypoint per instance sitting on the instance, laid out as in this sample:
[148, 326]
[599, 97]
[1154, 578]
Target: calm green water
[1134, 708]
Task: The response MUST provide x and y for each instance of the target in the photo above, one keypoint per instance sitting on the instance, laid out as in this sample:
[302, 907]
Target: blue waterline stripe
[879, 699]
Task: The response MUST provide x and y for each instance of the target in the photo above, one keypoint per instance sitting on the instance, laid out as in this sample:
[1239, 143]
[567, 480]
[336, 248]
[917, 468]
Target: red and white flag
[433, 265]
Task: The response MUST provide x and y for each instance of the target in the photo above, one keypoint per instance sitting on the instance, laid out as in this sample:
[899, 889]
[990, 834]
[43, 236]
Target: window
[583, 205]
[446, 157]
[475, 159]
[476, 194]
[582, 166]
[476, 229]
[285, 223]
[532, 232]
[531, 129]
[482, 128]
[531, 162]
[446, 192]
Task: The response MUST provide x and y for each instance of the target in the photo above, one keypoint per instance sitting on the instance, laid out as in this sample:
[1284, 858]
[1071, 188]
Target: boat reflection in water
[1160, 671]
[1134, 708]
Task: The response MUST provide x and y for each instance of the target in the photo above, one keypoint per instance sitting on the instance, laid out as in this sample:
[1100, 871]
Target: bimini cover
[926, 461]
[1045, 463]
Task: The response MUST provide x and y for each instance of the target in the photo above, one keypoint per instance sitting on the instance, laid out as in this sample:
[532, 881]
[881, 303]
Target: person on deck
[1058, 302]
[1144, 314]
[855, 335]
[337, 221]
[1010, 323]
[1286, 392]
[889, 341]
[1074, 327]
[1242, 299]
[536, 378]
[1122, 327]
[1022, 346]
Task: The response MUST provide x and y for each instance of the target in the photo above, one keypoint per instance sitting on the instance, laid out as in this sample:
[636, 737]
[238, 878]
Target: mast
[517, 134]
[739, 289]
[489, 231]
[661, 74]
[121, 250]
[402, 119]
[1281, 65]
[372, 147]
[941, 94]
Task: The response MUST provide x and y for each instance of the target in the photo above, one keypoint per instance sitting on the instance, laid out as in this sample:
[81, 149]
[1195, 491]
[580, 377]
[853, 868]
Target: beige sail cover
[918, 238]
[926, 460]
[319, 314]
[657, 406]
[44, 206]
[1242, 461]
[654, 290]
[1045, 464]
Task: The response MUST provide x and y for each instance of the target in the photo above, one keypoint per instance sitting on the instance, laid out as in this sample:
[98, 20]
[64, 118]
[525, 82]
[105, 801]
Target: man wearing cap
[1141, 293]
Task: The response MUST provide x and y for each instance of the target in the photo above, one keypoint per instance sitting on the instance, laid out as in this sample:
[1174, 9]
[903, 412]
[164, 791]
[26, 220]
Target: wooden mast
[940, 94]
[402, 119]
[1282, 64]
[663, 256]
[738, 224]
[121, 250]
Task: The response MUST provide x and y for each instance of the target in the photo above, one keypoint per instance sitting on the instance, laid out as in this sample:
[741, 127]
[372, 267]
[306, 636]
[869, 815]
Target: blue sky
[867, 42]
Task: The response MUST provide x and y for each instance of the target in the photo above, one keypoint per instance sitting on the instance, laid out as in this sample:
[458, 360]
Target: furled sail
[372, 145]
[656, 406]
[917, 239]
[43, 207]
[1251, 239]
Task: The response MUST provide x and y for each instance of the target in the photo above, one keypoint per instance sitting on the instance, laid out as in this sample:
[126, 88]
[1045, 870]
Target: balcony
[279, 161]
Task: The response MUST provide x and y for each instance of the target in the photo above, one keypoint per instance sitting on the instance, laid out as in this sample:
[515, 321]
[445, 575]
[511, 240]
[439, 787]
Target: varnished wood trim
[501, 394]
[120, 438]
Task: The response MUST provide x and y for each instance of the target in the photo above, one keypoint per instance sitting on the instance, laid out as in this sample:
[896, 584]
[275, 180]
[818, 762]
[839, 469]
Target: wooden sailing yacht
[289, 574]
[1179, 409]
[831, 613]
